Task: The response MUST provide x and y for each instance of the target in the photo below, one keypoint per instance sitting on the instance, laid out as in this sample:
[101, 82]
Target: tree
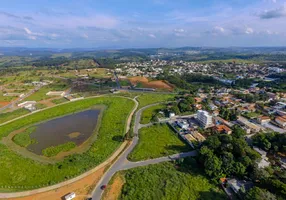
[239, 169]
[257, 193]
[213, 142]
[238, 132]
[213, 167]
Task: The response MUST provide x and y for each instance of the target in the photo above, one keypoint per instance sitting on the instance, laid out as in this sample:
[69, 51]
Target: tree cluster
[227, 155]
[228, 114]
[270, 141]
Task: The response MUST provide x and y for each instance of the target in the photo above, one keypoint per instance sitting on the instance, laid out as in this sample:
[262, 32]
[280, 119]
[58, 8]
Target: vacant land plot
[151, 84]
[4, 117]
[149, 113]
[41, 94]
[20, 173]
[3, 103]
[113, 190]
[150, 98]
[58, 101]
[6, 98]
[157, 141]
[166, 181]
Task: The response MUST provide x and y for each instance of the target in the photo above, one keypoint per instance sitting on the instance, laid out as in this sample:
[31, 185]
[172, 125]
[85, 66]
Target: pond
[75, 128]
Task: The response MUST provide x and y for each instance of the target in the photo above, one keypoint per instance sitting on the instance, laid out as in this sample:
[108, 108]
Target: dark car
[103, 187]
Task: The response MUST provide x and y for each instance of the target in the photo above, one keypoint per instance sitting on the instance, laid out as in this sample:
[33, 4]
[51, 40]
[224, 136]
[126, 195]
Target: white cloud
[219, 29]
[28, 31]
[85, 36]
[249, 31]
[180, 30]
[152, 36]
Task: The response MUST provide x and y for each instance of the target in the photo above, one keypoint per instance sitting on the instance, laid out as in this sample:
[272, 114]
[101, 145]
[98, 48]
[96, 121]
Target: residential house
[222, 129]
[248, 125]
[183, 125]
[281, 121]
[237, 185]
[264, 160]
[263, 120]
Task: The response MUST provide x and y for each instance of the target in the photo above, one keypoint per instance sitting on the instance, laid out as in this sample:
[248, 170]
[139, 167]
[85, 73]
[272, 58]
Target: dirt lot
[81, 188]
[3, 103]
[152, 84]
[113, 190]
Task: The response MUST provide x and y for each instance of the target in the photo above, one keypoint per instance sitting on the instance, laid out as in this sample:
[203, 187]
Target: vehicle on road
[103, 187]
[70, 196]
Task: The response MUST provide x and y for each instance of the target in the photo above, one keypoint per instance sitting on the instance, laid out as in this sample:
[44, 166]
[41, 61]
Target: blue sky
[141, 24]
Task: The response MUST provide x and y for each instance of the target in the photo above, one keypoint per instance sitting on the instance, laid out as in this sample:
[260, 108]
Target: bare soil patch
[82, 188]
[113, 190]
[74, 135]
[4, 103]
[159, 84]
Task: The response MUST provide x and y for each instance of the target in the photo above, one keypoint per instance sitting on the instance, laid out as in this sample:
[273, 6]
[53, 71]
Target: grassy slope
[4, 117]
[157, 141]
[148, 113]
[21, 173]
[165, 182]
[150, 98]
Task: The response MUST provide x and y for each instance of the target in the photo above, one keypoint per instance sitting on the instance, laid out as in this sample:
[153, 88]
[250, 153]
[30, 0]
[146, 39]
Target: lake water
[76, 128]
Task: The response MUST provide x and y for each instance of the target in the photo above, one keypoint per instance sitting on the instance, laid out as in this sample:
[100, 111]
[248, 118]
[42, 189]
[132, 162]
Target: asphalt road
[274, 128]
[123, 164]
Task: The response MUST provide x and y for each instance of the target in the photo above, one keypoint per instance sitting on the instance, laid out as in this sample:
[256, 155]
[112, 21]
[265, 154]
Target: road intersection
[122, 163]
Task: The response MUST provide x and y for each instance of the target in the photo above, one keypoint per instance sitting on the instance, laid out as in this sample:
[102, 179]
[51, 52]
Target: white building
[29, 105]
[171, 114]
[183, 125]
[204, 118]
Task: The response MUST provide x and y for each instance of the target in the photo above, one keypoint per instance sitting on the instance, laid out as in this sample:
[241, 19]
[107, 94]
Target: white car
[70, 196]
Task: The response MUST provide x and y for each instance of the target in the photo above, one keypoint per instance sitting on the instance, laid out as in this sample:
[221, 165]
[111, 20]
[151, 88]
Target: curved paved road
[123, 164]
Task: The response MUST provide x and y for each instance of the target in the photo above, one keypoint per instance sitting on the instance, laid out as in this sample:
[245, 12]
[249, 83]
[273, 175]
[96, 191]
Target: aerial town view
[133, 100]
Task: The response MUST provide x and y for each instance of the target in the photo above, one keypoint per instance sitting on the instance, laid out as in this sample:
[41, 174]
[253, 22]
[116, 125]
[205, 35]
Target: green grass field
[157, 141]
[4, 117]
[59, 101]
[20, 173]
[165, 181]
[41, 94]
[6, 98]
[23, 139]
[148, 113]
[150, 98]
[55, 150]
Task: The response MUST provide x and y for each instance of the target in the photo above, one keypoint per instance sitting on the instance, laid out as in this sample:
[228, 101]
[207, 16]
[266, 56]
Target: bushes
[23, 139]
[55, 150]
[164, 181]
[156, 141]
[149, 113]
[147, 99]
